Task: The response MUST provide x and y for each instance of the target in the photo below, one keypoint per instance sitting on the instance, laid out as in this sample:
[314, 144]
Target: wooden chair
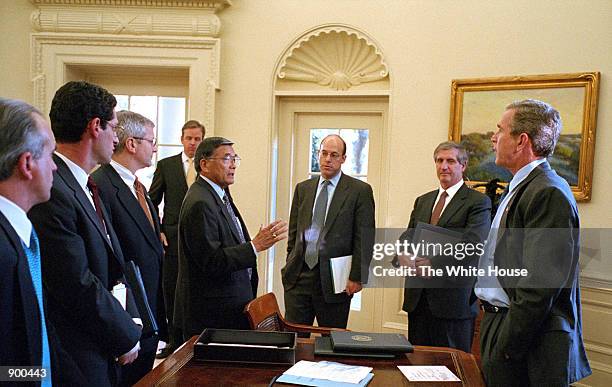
[264, 315]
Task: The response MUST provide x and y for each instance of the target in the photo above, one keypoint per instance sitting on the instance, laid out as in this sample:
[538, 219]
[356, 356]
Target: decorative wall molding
[214, 5]
[52, 52]
[118, 21]
[337, 56]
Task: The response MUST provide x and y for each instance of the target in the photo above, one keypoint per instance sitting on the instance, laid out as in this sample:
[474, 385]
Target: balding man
[329, 216]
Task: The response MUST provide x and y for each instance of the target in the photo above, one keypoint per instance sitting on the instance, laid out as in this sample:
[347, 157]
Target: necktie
[142, 200]
[33, 255]
[437, 211]
[93, 188]
[236, 221]
[318, 220]
[191, 173]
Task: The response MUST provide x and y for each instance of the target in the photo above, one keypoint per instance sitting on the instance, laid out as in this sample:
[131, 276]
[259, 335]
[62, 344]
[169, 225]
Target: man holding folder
[329, 218]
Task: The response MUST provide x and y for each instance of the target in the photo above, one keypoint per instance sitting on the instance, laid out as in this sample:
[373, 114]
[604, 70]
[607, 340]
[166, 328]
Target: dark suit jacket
[469, 212]
[213, 276]
[170, 185]
[540, 232]
[349, 226]
[80, 265]
[19, 312]
[139, 241]
[20, 315]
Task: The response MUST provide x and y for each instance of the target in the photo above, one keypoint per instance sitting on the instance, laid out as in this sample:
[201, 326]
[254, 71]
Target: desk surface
[179, 369]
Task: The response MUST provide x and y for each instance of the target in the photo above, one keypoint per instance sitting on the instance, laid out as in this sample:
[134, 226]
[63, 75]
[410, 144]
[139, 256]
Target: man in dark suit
[531, 332]
[26, 175]
[171, 179]
[82, 259]
[443, 313]
[330, 217]
[134, 218]
[217, 258]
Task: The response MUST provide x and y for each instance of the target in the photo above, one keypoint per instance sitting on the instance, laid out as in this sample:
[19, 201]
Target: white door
[303, 122]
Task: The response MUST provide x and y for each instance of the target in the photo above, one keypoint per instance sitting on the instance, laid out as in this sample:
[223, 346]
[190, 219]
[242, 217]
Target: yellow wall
[426, 44]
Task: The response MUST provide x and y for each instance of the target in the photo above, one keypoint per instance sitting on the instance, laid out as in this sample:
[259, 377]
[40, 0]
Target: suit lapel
[226, 214]
[27, 292]
[131, 206]
[179, 172]
[66, 175]
[454, 205]
[426, 207]
[340, 194]
[310, 192]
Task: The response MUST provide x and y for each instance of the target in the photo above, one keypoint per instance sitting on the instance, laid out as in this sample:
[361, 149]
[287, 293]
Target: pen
[273, 380]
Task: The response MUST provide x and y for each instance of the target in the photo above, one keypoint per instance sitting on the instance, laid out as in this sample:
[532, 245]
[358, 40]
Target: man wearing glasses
[330, 217]
[133, 215]
[217, 258]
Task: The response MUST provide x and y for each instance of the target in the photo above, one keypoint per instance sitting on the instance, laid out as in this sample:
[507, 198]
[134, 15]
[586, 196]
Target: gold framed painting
[477, 105]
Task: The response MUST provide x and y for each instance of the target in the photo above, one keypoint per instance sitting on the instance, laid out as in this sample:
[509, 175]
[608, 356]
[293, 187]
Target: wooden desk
[179, 369]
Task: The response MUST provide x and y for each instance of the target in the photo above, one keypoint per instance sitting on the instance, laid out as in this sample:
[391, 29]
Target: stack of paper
[326, 374]
[428, 374]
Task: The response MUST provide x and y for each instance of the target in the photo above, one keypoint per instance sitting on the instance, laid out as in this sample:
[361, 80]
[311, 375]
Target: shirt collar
[452, 190]
[17, 218]
[333, 181]
[184, 157]
[522, 173]
[220, 191]
[126, 175]
[79, 174]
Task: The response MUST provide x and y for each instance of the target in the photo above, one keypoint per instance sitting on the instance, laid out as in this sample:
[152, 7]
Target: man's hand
[352, 287]
[129, 357]
[164, 241]
[420, 264]
[269, 235]
[407, 260]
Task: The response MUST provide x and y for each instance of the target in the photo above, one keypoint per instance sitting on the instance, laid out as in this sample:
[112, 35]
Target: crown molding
[214, 5]
[134, 17]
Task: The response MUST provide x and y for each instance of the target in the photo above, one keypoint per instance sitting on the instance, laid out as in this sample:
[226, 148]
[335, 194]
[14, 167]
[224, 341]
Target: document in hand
[370, 342]
[427, 234]
[326, 374]
[340, 270]
[134, 279]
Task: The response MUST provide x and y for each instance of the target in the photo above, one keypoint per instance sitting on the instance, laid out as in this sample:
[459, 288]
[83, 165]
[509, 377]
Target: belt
[487, 307]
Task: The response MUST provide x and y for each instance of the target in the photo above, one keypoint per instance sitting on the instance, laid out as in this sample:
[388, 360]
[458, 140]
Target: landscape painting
[477, 106]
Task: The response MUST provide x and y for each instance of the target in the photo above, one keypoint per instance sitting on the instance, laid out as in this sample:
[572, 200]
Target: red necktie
[93, 189]
[435, 215]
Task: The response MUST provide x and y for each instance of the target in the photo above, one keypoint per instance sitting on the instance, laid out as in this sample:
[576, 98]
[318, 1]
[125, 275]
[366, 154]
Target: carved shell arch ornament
[335, 56]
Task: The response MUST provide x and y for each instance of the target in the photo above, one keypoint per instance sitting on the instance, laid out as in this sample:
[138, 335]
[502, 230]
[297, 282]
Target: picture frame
[477, 105]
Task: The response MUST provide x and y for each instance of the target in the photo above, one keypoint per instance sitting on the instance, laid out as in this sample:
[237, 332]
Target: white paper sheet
[428, 374]
[329, 370]
[340, 269]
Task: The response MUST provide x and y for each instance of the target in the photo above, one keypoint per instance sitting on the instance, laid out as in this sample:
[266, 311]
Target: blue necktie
[33, 256]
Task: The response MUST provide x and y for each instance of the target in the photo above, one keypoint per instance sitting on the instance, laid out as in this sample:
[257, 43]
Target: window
[168, 115]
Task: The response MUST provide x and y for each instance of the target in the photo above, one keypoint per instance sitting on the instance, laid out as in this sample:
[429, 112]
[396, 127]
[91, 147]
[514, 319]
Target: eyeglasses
[153, 142]
[227, 159]
[334, 155]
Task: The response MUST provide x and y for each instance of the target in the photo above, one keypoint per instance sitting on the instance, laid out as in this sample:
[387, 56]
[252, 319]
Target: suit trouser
[426, 329]
[305, 301]
[132, 373]
[169, 277]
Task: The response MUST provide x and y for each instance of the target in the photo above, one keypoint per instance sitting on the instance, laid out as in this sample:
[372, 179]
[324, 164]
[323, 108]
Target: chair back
[264, 313]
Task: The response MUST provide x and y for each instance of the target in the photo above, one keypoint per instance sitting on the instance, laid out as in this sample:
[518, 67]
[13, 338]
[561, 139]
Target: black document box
[232, 345]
